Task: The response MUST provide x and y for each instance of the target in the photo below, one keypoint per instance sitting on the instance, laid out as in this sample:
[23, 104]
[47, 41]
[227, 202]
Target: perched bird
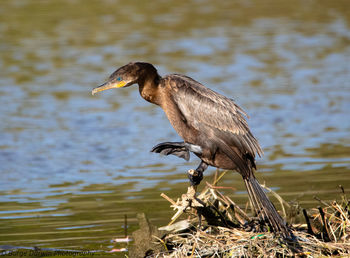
[212, 126]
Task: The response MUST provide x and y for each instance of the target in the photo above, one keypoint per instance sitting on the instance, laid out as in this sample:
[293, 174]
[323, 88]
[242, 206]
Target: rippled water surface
[72, 165]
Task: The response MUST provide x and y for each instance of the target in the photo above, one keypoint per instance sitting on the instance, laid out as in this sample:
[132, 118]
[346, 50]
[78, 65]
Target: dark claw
[195, 177]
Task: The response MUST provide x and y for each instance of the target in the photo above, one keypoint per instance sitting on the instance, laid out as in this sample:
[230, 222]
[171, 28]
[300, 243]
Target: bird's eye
[119, 79]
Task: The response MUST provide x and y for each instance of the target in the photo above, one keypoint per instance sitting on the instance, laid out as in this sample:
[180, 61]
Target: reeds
[228, 231]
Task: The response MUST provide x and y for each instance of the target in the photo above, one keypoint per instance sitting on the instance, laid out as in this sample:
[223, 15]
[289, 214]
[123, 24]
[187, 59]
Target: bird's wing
[204, 108]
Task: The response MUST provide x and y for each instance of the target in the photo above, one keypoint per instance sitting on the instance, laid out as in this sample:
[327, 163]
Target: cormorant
[213, 127]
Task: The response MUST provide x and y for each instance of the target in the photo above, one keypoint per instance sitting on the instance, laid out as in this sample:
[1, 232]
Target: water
[72, 164]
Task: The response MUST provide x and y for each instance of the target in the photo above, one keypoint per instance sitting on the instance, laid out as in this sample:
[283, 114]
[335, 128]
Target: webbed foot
[196, 176]
[178, 149]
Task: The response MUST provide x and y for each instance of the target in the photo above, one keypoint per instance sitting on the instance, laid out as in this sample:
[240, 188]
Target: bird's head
[125, 76]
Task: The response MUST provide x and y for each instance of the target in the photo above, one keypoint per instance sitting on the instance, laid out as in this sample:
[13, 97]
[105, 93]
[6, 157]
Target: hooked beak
[108, 85]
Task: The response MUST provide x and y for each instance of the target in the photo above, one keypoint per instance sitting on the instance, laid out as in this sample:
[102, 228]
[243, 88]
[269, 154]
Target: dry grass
[230, 232]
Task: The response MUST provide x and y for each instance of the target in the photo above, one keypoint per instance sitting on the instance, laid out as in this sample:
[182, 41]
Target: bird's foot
[178, 149]
[195, 176]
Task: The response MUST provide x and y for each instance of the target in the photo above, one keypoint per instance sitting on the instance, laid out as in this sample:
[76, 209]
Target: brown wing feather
[203, 107]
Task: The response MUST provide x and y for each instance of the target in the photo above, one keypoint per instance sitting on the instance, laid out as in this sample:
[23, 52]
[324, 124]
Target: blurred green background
[72, 165]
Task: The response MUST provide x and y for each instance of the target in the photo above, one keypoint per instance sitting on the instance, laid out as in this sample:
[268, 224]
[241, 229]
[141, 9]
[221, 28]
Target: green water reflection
[73, 165]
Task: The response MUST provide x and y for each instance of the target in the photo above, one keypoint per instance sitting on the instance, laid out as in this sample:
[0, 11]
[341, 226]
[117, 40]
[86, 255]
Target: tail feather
[264, 207]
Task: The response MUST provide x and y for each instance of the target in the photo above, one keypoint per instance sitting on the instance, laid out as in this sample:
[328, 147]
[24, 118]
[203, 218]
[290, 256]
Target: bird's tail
[264, 207]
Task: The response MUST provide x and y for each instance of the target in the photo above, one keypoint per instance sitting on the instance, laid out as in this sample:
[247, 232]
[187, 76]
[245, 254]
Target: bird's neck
[149, 88]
